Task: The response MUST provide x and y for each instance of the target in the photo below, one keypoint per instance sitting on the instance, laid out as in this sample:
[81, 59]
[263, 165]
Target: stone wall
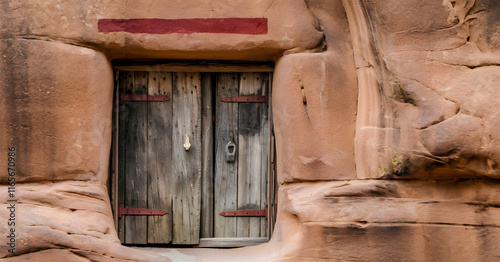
[384, 112]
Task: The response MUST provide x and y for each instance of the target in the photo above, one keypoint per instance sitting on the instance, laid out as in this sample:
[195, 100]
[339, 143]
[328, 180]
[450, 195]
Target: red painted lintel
[249, 26]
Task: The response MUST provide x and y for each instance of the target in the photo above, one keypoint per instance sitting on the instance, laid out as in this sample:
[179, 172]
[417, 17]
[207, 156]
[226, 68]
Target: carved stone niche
[385, 116]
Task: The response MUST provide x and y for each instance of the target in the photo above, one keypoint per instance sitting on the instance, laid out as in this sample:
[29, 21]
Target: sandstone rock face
[57, 103]
[312, 85]
[375, 220]
[291, 26]
[67, 219]
[385, 116]
[315, 104]
[430, 84]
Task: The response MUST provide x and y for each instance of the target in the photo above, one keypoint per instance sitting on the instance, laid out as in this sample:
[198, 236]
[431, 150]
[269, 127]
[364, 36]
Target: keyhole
[231, 149]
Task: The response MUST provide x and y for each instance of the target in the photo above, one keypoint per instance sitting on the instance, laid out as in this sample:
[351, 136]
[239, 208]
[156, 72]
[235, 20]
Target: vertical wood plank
[265, 134]
[194, 182]
[159, 144]
[225, 172]
[207, 182]
[136, 163]
[126, 83]
[114, 151]
[252, 158]
[271, 174]
[186, 164]
[273, 189]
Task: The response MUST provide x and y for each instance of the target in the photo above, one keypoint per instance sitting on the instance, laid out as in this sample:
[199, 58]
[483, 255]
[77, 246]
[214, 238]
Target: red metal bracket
[246, 99]
[143, 98]
[140, 211]
[245, 213]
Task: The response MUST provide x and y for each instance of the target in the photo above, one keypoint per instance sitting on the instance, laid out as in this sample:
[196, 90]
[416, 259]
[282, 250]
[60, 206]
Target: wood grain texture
[226, 182]
[252, 157]
[159, 145]
[186, 164]
[271, 175]
[265, 135]
[207, 199]
[194, 186]
[271, 207]
[266, 140]
[194, 66]
[114, 153]
[126, 82]
[136, 163]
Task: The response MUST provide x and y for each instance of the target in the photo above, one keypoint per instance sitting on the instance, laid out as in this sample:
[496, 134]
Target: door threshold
[231, 241]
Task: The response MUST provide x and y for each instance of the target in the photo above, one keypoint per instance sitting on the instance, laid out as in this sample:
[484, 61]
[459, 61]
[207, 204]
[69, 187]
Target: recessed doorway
[193, 162]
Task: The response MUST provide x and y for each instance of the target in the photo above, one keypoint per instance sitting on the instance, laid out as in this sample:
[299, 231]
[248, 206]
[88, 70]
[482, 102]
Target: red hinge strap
[245, 213]
[246, 99]
[140, 211]
[143, 98]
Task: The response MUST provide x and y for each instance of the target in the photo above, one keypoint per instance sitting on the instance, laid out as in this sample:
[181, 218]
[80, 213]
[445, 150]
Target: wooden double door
[176, 141]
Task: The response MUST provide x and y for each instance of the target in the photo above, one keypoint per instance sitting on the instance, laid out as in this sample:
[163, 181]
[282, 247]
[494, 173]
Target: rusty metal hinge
[246, 99]
[140, 211]
[143, 98]
[245, 213]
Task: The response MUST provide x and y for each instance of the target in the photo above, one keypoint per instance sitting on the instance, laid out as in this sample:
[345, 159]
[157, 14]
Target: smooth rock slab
[57, 102]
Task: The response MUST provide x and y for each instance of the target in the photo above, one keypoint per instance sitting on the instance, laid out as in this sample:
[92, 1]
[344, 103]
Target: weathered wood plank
[225, 172]
[265, 134]
[126, 82]
[231, 242]
[252, 157]
[271, 209]
[160, 158]
[186, 164]
[249, 152]
[271, 176]
[191, 200]
[196, 66]
[136, 163]
[207, 181]
[114, 151]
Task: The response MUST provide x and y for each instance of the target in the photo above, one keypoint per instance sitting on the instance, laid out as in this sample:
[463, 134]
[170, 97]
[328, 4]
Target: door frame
[202, 67]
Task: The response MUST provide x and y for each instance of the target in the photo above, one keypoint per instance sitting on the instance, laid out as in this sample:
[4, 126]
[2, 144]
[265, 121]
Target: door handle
[187, 144]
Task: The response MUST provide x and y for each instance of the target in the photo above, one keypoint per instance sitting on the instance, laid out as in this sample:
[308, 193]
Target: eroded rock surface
[57, 109]
[292, 27]
[368, 94]
[375, 220]
[431, 82]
